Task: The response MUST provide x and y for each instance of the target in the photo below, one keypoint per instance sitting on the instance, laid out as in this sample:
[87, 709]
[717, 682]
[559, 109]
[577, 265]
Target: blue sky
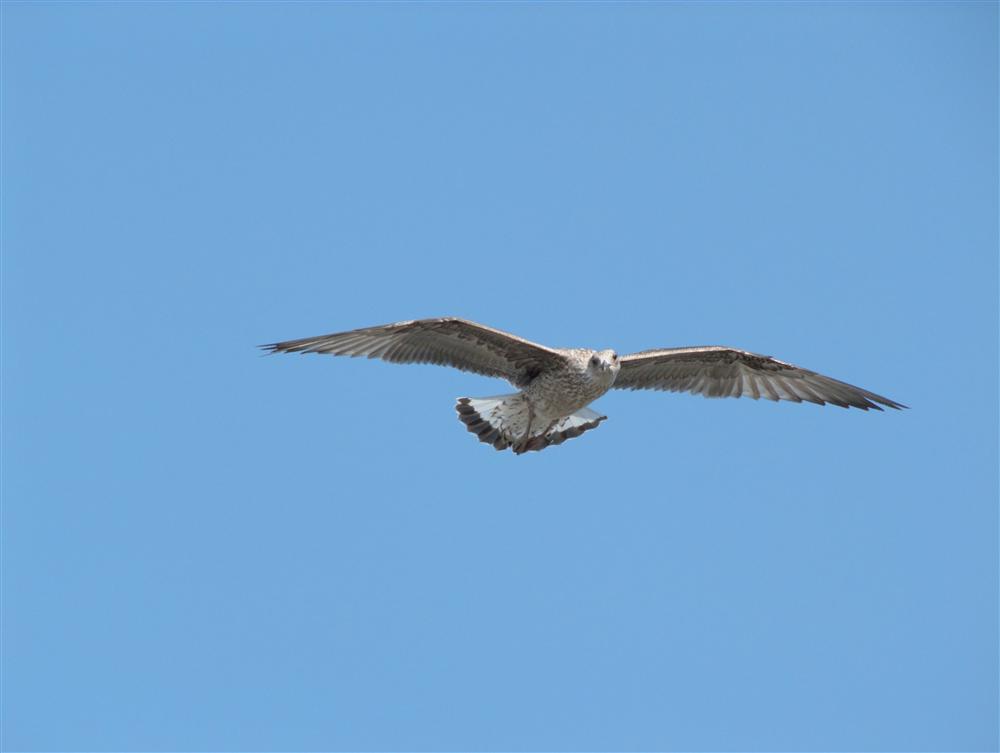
[205, 548]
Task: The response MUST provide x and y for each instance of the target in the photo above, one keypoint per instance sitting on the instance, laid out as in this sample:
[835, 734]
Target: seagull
[557, 384]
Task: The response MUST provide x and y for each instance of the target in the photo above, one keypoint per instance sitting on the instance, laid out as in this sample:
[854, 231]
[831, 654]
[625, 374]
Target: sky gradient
[206, 548]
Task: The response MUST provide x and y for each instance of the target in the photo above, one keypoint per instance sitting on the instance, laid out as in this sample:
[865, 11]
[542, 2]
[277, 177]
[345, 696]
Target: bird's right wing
[447, 341]
[716, 371]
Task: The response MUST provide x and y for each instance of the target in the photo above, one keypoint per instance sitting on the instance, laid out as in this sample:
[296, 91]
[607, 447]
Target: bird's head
[604, 361]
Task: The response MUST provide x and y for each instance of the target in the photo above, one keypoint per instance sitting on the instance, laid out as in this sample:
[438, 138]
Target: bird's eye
[594, 360]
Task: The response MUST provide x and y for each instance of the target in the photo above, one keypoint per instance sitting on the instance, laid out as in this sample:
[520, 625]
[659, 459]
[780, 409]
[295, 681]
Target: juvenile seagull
[557, 384]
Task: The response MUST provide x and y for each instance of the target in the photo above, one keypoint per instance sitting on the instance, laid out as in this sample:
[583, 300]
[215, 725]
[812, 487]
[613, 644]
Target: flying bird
[557, 384]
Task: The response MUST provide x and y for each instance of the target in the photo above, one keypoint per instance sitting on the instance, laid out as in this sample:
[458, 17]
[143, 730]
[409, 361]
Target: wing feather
[717, 371]
[447, 341]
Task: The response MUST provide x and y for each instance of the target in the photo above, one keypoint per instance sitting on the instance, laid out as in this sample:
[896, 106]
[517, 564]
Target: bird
[556, 385]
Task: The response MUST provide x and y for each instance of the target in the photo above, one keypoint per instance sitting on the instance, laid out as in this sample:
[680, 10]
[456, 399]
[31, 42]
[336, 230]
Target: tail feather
[506, 421]
[569, 427]
[498, 420]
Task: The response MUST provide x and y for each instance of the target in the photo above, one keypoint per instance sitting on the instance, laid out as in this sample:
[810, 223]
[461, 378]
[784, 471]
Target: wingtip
[286, 347]
[888, 403]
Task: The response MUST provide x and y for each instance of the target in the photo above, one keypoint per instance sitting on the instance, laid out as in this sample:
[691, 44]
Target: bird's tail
[506, 421]
[500, 420]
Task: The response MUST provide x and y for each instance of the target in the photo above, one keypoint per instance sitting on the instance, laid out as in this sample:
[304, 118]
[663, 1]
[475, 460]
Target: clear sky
[208, 548]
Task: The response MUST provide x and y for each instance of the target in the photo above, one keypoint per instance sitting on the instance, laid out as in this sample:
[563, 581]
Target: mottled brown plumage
[558, 383]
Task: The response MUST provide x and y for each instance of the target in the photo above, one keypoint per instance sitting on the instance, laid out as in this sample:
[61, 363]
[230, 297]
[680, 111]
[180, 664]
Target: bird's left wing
[717, 371]
[448, 341]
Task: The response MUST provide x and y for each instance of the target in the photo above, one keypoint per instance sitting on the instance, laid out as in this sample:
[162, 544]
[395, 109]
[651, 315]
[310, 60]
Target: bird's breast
[559, 393]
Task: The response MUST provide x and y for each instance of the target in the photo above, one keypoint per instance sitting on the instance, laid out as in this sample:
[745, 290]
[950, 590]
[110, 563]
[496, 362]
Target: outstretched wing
[447, 341]
[716, 371]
